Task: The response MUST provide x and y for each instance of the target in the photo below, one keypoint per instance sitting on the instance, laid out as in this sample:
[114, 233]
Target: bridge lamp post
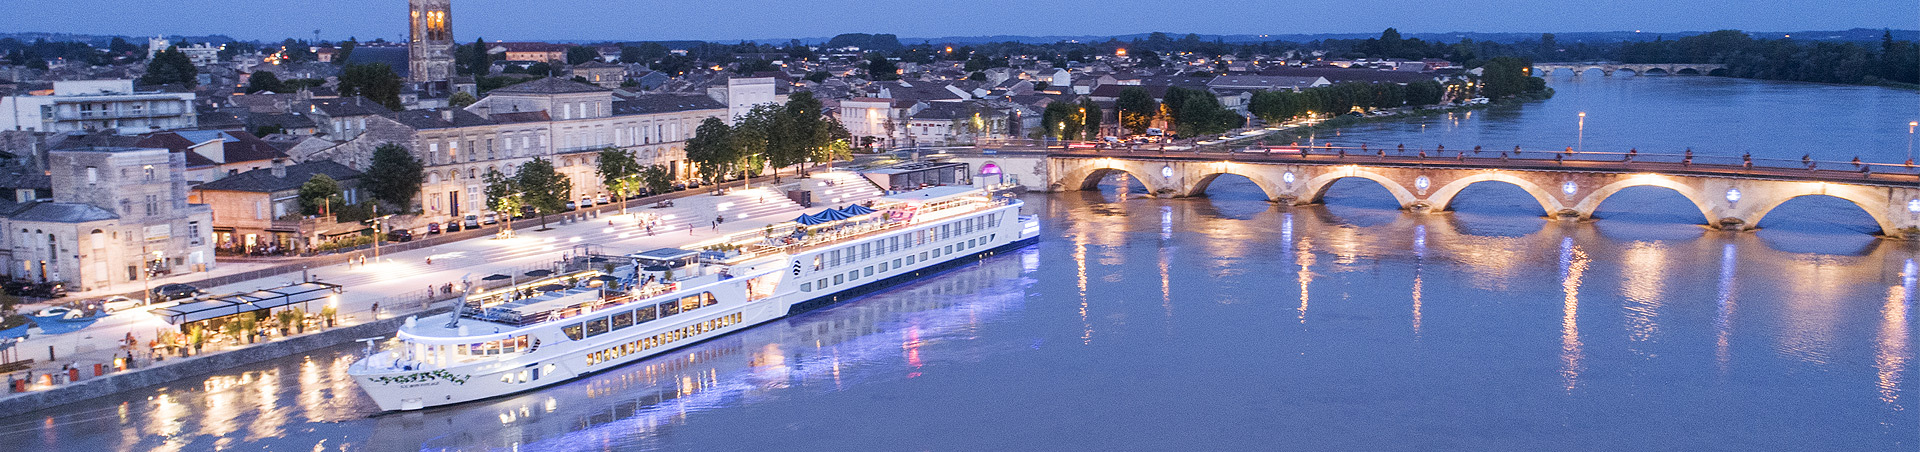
[1910, 126]
[1580, 141]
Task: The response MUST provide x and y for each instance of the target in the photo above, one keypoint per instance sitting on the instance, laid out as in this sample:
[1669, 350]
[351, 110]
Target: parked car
[433, 228]
[490, 218]
[471, 221]
[119, 303]
[49, 290]
[170, 292]
[453, 226]
[601, 200]
[400, 235]
[19, 288]
[586, 201]
[570, 207]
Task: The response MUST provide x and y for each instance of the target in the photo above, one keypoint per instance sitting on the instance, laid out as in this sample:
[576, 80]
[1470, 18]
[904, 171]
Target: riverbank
[175, 369]
[1290, 136]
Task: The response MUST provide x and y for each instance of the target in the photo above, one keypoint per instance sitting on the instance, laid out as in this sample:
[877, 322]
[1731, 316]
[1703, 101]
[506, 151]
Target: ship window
[837, 279]
[867, 271]
[896, 263]
[506, 378]
[706, 299]
[622, 320]
[523, 376]
[573, 331]
[910, 258]
[894, 243]
[669, 308]
[689, 303]
[643, 315]
[596, 327]
[822, 284]
[853, 275]
[806, 287]
[866, 250]
[949, 249]
[819, 261]
[883, 266]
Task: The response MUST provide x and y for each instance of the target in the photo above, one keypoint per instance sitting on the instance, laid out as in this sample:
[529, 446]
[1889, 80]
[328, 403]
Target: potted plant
[196, 338]
[299, 320]
[286, 319]
[327, 314]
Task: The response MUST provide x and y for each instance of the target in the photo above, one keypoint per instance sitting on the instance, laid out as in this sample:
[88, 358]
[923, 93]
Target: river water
[1223, 322]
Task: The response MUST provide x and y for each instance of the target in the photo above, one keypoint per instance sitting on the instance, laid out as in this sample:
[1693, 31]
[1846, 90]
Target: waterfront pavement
[399, 283]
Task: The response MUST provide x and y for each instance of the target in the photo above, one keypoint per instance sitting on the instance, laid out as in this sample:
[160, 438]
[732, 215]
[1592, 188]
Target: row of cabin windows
[499, 347]
[636, 316]
[885, 266]
[854, 253]
[646, 343]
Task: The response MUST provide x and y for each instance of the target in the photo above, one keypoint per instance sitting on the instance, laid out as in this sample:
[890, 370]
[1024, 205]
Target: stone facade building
[117, 215]
[430, 40]
[98, 105]
[561, 120]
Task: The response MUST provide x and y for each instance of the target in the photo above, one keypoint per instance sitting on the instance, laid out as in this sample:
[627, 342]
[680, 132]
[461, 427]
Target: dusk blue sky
[763, 19]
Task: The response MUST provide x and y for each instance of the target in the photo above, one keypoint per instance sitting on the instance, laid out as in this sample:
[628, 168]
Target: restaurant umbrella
[832, 215]
[808, 220]
[857, 210]
[495, 277]
[551, 287]
[607, 278]
[539, 273]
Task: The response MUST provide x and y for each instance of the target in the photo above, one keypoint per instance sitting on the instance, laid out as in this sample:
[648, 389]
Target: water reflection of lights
[1419, 261]
[1723, 315]
[1080, 277]
[1303, 255]
[1891, 357]
[1573, 266]
[1645, 280]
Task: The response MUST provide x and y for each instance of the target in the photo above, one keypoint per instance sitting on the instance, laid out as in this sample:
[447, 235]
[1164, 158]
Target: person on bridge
[1746, 160]
[1806, 159]
[1856, 161]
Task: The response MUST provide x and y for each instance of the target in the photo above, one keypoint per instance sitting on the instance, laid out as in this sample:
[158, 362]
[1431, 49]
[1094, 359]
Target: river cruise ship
[524, 336]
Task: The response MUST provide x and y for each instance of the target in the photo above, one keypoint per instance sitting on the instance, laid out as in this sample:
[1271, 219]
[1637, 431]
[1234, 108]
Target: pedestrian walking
[376, 310]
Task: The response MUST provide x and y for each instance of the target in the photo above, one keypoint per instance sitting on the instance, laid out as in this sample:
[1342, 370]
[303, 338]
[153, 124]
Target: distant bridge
[1731, 193]
[1607, 68]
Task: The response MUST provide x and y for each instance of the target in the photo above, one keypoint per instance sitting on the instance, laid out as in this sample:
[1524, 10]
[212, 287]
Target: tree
[460, 99]
[800, 132]
[657, 178]
[265, 81]
[757, 135]
[316, 195]
[120, 48]
[393, 176]
[472, 59]
[880, 68]
[375, 81]
[620, 172]
[1504, 76]
[711, 147]
[1062, 120]
[1136, 109]
[818, 76]
[503, 195]
[581, 54]
[295, 51]
[543, 188]
[541, 69]
[1090, 118]
[345, 52]
[169, 66]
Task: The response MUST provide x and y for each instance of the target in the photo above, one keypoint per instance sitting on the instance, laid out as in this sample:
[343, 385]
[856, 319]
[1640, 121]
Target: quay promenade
[404, 283]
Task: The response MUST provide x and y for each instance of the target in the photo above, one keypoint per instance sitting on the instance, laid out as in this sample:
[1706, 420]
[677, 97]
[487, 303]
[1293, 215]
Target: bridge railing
[1903, 173]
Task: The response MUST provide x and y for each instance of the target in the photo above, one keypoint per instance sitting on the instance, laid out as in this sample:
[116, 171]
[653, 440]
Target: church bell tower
[430, 40]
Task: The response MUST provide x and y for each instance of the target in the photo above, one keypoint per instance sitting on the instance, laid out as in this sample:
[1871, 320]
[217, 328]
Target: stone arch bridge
[1608, 68]
[1728, 196]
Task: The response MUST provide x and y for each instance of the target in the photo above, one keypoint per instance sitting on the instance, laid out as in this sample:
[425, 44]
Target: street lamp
[1581, 141]
[1910, 126]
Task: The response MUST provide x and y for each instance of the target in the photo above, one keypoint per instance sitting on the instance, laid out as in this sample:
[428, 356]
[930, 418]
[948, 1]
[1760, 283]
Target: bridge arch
[1268, 188]
[1588, 205]
[1315, 188]
[1442, 199]
[1090, 180]
[1859, 196]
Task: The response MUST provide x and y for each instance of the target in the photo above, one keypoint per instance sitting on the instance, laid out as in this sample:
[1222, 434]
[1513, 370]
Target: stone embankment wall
[181, 368]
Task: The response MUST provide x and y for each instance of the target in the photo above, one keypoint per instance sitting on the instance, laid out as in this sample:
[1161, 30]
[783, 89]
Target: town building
[605, 75]
[117, 215]
[84, 105]
[538, 52]
[561, 120]
[259, 211]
